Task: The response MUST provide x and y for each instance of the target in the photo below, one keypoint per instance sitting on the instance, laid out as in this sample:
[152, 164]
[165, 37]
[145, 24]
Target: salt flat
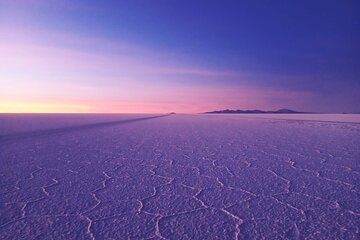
[179, 177]
[335, 118]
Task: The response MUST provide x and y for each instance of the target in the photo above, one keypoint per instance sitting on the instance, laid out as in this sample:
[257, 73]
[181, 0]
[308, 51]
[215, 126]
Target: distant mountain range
[280, 111]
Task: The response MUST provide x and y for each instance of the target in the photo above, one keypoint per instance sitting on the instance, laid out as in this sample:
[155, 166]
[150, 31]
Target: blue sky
[186, 56]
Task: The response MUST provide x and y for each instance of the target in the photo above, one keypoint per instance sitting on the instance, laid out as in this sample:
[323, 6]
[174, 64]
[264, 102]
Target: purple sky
[182, 56]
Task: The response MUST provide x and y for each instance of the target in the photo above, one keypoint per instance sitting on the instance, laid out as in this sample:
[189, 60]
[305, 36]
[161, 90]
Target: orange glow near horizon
[39, 107]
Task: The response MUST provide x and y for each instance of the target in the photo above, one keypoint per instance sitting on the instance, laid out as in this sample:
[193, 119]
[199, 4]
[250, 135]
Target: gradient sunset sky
[156, 56]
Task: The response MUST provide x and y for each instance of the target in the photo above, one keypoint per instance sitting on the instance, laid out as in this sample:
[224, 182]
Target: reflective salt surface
[178, 177]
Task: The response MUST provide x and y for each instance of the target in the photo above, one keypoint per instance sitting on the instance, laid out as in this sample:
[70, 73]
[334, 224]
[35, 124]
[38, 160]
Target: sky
[156, 56]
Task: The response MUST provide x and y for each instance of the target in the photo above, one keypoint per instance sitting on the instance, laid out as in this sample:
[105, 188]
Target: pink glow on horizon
[181, 100]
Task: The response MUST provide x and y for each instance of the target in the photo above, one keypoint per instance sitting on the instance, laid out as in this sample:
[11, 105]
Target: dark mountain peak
[284, 111]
